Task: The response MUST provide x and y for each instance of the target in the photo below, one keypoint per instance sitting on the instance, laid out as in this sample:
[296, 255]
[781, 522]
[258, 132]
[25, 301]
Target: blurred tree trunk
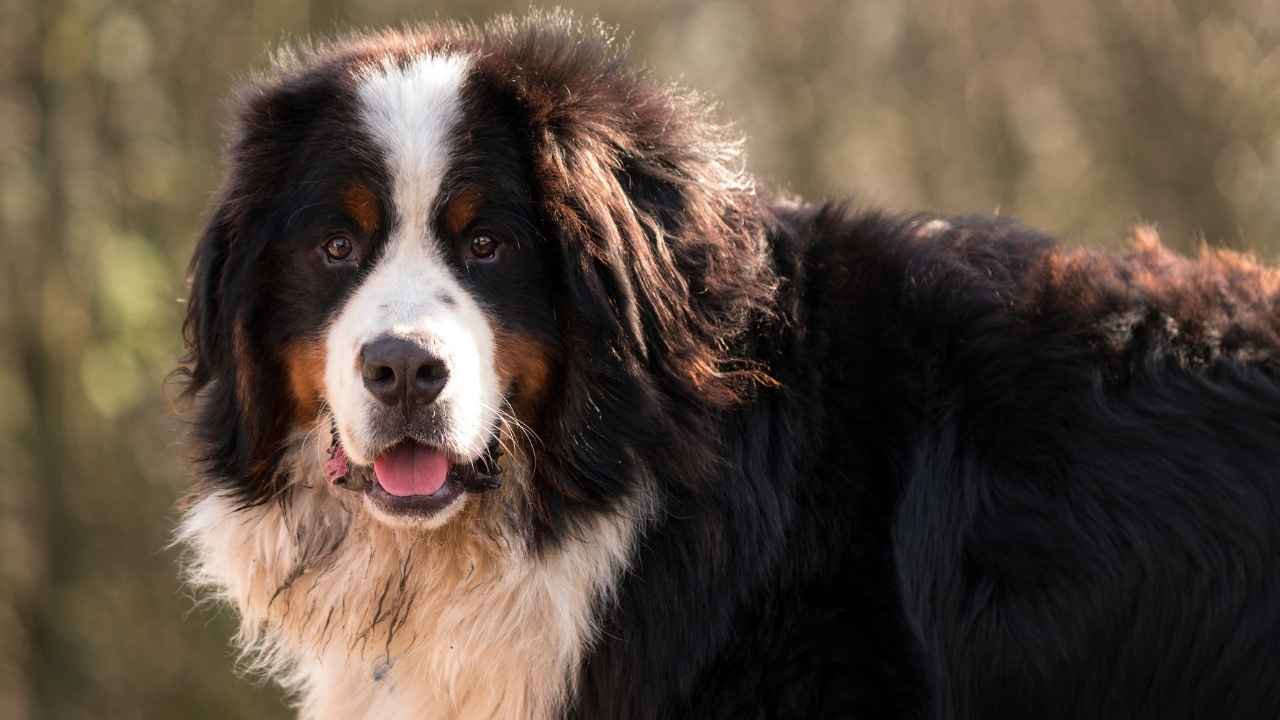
[50, 667]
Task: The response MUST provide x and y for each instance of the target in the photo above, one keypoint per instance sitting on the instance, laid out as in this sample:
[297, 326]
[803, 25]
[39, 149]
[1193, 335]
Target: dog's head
[468, 255]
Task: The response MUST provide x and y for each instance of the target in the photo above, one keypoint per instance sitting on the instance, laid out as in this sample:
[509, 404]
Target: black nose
[399, 371]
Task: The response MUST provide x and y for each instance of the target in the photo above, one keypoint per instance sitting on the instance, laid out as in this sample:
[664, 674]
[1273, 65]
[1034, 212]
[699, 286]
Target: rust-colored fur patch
[461, 209]
[1220, 304]
[525, 365]
[361, 205]
[304, 363]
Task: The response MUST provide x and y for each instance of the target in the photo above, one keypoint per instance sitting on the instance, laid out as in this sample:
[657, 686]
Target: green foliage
[1080, 117]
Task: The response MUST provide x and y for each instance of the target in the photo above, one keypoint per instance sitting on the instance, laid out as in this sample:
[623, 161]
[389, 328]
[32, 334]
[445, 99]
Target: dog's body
[756, 458]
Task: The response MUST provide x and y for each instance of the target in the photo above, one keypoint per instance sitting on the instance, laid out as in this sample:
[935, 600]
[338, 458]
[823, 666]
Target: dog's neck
[361, 620]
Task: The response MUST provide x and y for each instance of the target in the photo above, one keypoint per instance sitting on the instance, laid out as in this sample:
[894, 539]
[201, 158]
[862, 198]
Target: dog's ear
[229, 379]
[659, 232]
[594, 220]
[242, 410]
[203, 329]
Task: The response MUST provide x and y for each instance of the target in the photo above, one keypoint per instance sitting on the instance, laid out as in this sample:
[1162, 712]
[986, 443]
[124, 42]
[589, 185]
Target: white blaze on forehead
[411, 111]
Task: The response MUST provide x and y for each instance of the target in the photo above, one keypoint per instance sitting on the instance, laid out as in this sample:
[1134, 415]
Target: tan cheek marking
[361, 205]
[304, 364]
[461, 210]
[524, 364]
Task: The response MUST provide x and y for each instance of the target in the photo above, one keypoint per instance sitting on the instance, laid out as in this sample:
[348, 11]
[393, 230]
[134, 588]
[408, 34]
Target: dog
[513, 396]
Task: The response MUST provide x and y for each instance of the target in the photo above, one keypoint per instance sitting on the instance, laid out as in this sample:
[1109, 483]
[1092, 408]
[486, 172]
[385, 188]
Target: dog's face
[460, 258]
[433, 285]
[399, 281]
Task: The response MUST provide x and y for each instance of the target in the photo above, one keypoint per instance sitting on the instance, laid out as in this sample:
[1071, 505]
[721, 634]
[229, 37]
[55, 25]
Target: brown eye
[483, 247]
[338, 247]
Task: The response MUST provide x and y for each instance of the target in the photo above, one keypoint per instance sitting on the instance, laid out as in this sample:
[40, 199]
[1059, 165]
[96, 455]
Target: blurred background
[1080, 117]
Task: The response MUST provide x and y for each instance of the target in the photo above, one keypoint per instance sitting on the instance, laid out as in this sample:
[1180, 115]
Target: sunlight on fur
[368, 621]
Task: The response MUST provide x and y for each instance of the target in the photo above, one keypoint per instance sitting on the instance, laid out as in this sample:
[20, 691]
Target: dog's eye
[338, 247]
[483, 247]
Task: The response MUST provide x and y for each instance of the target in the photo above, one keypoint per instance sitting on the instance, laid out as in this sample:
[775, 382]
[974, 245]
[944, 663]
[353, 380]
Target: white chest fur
[360, 620]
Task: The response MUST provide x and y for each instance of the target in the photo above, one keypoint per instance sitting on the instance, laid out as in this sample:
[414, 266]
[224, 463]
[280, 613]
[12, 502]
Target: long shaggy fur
[315, 578]
[761, 458]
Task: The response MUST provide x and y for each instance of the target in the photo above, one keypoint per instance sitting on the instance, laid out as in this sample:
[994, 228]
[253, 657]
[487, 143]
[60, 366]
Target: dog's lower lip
[419, 505]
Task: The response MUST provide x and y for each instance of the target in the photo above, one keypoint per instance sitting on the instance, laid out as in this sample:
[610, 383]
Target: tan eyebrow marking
[362, 206]
[461, 209]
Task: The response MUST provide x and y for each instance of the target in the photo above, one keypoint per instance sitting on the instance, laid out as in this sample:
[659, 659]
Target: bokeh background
[1082, 117]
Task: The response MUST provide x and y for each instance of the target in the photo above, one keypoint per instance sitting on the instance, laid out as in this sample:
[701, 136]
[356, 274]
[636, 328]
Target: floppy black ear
[243, 414]
[593, 221]
[660, 234]
[242, 418]
[220, 370]
[203, 329]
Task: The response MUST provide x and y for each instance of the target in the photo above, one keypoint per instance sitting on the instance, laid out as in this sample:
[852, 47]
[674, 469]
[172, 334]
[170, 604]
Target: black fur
[252, 291]
[906, 466]
[957, 507]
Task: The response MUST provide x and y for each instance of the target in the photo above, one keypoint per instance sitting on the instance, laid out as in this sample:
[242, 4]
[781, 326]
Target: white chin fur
[363, 619]
[417, 522]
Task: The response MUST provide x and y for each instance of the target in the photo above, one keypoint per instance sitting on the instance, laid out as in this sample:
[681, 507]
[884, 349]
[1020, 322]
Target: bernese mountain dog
[513, 396]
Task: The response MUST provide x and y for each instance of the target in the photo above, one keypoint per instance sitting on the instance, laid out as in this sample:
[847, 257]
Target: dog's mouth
[414, 478]
[411, 469]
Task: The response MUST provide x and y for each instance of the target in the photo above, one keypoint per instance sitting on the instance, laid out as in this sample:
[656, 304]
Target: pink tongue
[411, 469]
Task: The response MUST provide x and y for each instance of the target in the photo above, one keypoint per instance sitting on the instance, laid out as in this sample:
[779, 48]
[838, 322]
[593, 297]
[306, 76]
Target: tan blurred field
[1079, 117]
